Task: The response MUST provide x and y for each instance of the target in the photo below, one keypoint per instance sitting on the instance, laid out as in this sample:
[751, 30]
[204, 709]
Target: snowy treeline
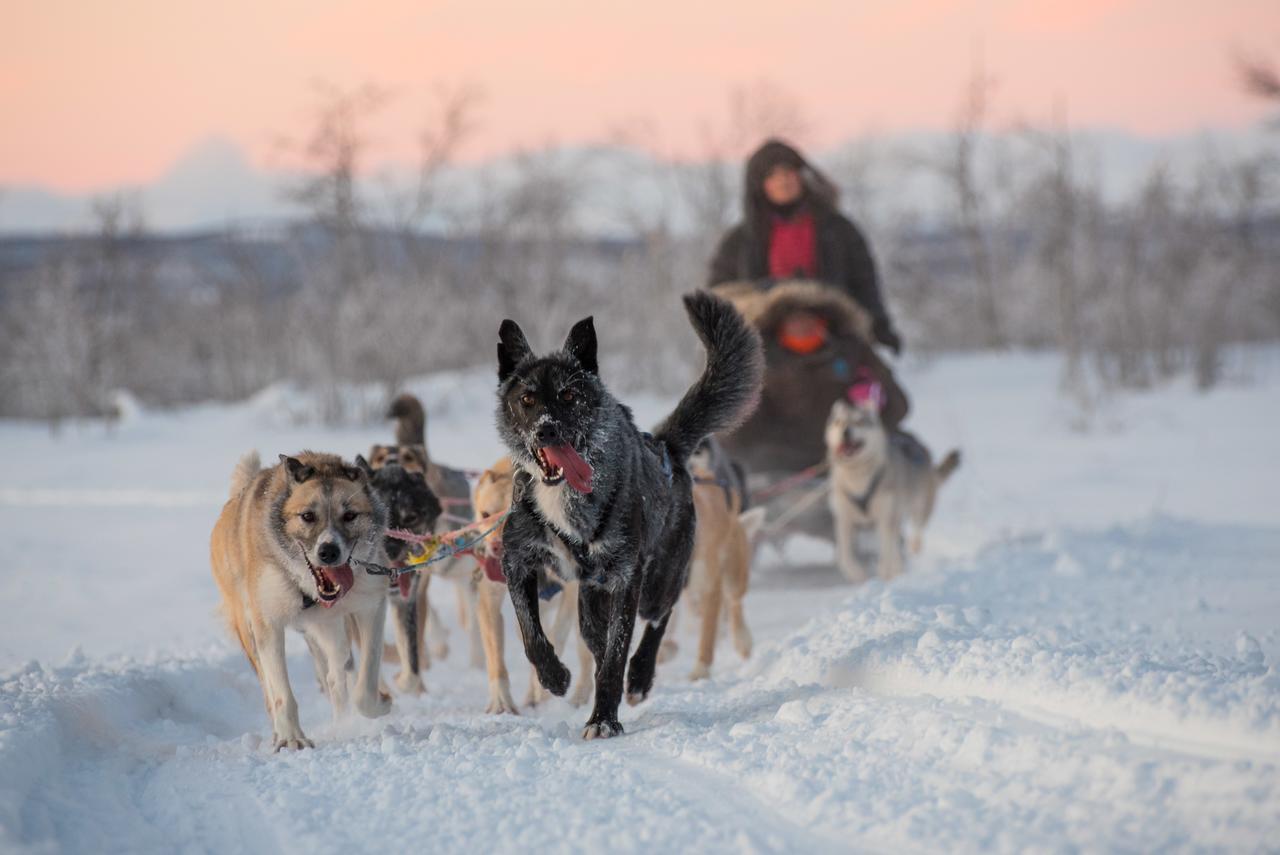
[375, 282]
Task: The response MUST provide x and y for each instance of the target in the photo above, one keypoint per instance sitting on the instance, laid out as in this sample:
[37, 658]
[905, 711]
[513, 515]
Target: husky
[612, 505]
[722, 552]
[492, 498]
[454, 492]
[281, 553]
[411, 506]
[878, 478]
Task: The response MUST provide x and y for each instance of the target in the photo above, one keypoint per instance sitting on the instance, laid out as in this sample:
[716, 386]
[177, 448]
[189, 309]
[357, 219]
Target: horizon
[567, 77]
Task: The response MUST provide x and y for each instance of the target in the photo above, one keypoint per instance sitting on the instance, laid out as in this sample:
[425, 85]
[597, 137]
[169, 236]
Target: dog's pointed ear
[298, 470]
[364, 466]
[581, 343]
[513, 347]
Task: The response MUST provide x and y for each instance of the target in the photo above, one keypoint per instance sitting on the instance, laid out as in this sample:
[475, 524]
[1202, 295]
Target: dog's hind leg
[670, 646]
[369, 624]
[607, 619]
[711, 597]
[286, 731]
[585, 685]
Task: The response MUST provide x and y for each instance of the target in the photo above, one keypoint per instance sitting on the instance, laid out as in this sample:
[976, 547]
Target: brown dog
[281, 553]
[492, 499]
[722, 552]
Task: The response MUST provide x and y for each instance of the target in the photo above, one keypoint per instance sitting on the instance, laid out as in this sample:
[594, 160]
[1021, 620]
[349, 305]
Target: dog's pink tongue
[576, 470]
[404, 579]
[341, 576]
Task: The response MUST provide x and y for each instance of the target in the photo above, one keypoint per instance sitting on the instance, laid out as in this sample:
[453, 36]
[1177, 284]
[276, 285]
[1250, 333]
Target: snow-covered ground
[1084, 657]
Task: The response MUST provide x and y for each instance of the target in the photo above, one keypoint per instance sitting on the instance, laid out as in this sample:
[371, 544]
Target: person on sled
[802, 274]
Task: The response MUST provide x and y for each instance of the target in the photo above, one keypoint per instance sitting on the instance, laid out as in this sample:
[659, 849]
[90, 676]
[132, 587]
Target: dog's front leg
[405, 619]
[607, 619]
[890, 530]
[369, 624]
[522, 583]
[332, 651]
[286, 731]
[847, 547]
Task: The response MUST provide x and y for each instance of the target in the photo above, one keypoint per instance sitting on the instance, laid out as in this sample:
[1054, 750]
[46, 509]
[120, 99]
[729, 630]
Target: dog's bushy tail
[246, 470]
[729, 388]
[411, 420]
[949, 464]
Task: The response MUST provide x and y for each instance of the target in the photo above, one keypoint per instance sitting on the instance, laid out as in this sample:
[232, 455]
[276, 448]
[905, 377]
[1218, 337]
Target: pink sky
[95, 93]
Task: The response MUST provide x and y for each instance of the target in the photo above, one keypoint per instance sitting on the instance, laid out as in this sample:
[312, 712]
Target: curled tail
[411, 420]
[248, 467]
[729, 388]
[949, 464]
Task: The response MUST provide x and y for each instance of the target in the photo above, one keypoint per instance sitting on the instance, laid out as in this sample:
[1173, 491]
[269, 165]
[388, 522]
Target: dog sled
[817, 345]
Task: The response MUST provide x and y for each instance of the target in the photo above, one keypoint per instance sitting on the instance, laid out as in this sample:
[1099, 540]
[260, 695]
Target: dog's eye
[567, 396]
[349, 516]
[528, 400]
[308, 516]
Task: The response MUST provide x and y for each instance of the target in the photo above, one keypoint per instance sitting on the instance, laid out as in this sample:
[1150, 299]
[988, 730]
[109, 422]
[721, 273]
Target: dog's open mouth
[849, 446]
[331, 582]
[563, 463]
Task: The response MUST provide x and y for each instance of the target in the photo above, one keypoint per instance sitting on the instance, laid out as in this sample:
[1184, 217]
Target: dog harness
[864, 501]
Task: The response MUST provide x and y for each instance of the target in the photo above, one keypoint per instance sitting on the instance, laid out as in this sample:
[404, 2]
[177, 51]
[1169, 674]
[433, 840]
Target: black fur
[411, 505]
[630, 539]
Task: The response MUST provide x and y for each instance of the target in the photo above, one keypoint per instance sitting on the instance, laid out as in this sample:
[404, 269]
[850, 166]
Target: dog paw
[701, 671]
[295, 742]
[554, 677]
[500, 701]
[638, 685]
[742, 644]
[378, 707]
[602, 730]
[409, 683]
[580, 695]
[667, 650]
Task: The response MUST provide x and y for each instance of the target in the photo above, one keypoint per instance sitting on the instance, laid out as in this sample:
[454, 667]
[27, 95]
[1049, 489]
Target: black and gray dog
[411, 506]
[610, 504]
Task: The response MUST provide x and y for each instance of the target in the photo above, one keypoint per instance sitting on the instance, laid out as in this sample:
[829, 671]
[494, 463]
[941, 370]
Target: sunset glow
[96, 94]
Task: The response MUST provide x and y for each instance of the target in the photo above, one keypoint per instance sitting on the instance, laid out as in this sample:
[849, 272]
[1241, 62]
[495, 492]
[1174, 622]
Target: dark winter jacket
[844, 260]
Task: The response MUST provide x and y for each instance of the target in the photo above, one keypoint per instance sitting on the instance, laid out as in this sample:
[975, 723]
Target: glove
[885, 334]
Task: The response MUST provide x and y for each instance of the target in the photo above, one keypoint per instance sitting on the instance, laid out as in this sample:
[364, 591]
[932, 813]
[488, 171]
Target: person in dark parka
[792, 229]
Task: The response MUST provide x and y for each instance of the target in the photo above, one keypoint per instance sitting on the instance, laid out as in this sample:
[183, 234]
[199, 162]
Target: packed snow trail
[1083, 658]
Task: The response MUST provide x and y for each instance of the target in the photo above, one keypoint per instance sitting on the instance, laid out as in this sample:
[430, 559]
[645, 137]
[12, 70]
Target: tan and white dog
[281, 553]
[878, 479]
[722, 553]
[492, 498]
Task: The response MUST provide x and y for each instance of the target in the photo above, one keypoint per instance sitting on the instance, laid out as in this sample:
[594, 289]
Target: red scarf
[793, 247]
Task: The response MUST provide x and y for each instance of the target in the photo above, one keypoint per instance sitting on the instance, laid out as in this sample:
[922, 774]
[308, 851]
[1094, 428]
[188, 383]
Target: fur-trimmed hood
[766, 309]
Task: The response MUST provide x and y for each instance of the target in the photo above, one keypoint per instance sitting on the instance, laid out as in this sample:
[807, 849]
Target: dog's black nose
[328, 552]
[549, 434]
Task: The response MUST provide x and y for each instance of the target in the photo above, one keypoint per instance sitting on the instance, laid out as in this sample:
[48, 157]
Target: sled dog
[454, 492]
[882, 479]
[411, 506]
[612, 505]
[281, 553]
[492, 499]
[722, 552]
